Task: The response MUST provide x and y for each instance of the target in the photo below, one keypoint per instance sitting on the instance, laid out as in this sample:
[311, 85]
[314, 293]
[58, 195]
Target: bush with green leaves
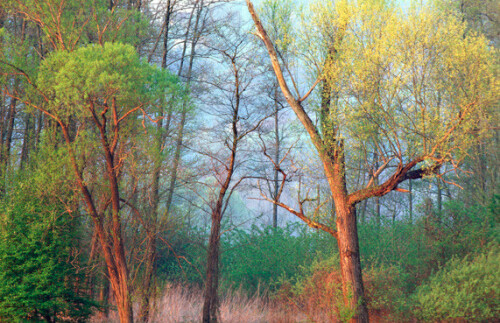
[421, 247]
[251, 259]
[317, 289]
[254, 259]
[465, 289]
[39, 276]
[182, 255]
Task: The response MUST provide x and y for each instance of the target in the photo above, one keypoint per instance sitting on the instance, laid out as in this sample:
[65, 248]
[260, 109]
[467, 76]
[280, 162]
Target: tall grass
[184, 304]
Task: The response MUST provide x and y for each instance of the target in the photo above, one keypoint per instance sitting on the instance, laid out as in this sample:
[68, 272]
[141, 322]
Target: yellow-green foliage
[464, 289]
[413, 79]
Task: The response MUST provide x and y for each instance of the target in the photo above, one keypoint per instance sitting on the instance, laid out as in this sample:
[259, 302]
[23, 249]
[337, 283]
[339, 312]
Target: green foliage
[184, 258]
[466, 289]
[385, 290]
[318, 287]
[98, 74]
[254, 259]
[259, 259]
[408, 79]
[39, 277]
[420, 248]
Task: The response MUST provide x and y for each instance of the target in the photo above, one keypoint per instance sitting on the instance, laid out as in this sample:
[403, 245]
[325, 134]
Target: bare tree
[230, 104]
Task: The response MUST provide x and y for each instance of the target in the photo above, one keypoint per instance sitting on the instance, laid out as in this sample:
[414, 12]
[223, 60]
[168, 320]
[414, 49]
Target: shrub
[255, 259]
[38, 275]
[318, 291]
[465, 289]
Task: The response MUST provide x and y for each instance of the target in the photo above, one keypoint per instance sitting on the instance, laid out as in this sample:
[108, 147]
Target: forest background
[153, 166]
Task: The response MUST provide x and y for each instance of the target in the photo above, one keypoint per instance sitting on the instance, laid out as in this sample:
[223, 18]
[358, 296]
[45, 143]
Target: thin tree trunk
[27, 140]
[11, 116]
[410, 197]
[180, 134]
[104, 296]
[439, 199]
[211, 300]
[177, 158]
[165, 38]
[39, 127]
[3, 111]
[363, 211]
[5, 150]
[276, 157]
[148, 286]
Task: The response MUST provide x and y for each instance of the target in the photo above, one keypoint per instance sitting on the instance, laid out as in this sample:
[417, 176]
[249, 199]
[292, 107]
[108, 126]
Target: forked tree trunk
[112, 242]
[114, 257]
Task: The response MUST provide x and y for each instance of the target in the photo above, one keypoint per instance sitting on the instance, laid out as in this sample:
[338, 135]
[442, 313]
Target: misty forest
[249, 161]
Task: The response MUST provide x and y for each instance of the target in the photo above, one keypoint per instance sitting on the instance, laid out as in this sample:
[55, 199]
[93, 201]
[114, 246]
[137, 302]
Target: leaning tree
[404, 91]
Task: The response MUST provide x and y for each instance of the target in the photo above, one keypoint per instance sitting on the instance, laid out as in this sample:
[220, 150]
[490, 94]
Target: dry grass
[317, 303]
[183, 304]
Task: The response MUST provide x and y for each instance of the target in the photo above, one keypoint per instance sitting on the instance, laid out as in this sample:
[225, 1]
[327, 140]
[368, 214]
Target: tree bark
[211, 300]
[350, 263]
[276, 157]
[119, 277]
